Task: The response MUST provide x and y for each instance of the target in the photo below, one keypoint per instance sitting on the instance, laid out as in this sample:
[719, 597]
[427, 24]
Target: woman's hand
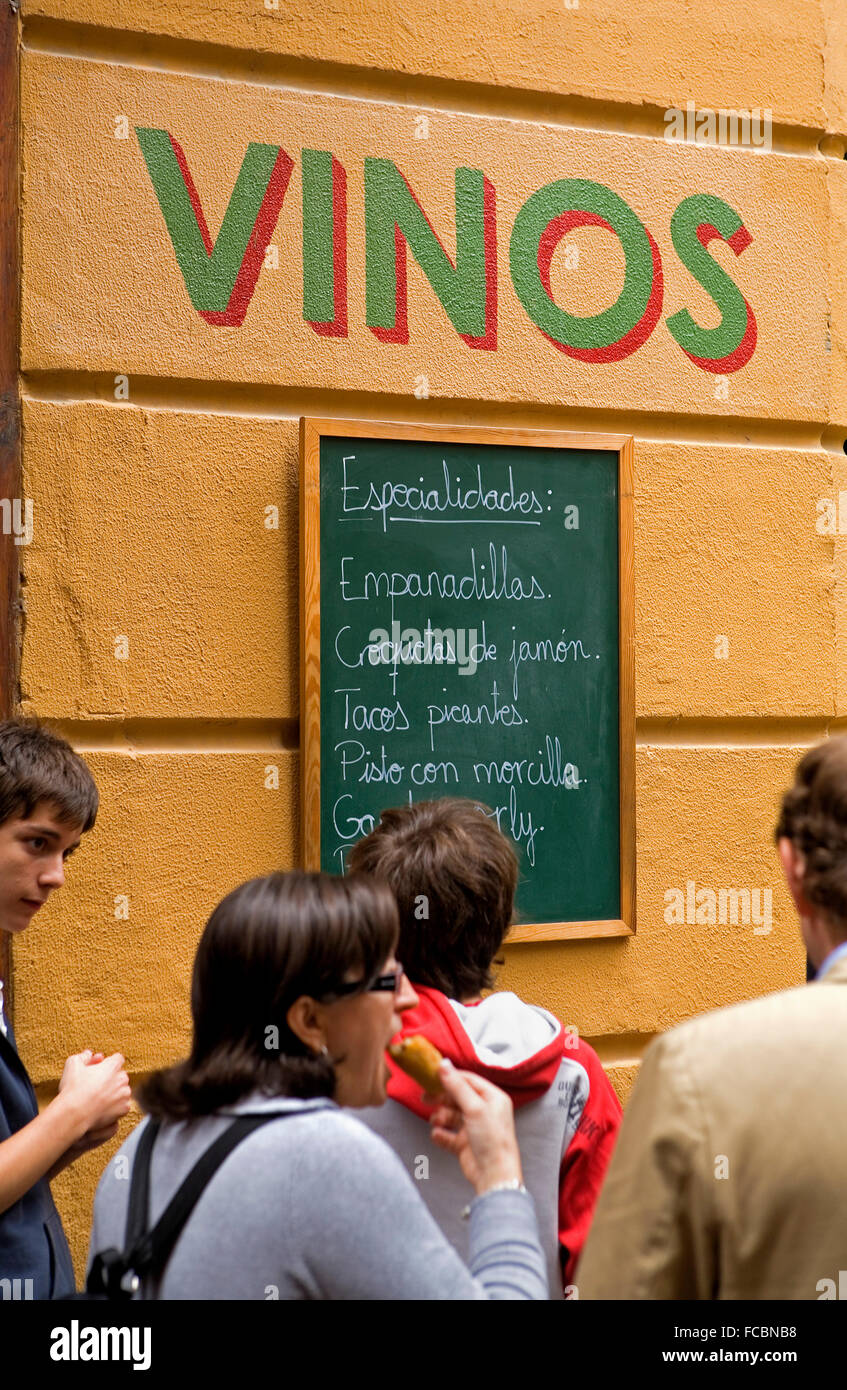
[475, 1121]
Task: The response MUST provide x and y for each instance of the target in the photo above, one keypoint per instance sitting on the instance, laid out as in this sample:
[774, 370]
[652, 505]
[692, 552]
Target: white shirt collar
[831, 959]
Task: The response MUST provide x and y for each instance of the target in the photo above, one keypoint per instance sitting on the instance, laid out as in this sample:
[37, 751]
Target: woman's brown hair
[814, 818]
[454, 876]
[268, 942]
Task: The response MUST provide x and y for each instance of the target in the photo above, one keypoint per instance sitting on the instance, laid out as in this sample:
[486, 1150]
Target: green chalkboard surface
[470, 597]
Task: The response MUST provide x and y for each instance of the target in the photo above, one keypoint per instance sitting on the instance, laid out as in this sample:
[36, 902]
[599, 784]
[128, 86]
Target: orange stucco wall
[150, 494]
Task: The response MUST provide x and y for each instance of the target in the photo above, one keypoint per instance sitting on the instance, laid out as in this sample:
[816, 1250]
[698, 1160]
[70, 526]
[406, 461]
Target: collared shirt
[831, 959]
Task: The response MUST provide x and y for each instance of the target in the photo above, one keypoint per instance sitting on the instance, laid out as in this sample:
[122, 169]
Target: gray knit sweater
[315, 1206]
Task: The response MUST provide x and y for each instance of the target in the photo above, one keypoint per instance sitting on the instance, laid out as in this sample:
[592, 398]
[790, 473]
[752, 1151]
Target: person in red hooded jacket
[454, 876]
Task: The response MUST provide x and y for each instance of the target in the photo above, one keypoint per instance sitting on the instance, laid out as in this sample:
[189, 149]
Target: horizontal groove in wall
[151, 735]
[144, 736]
[731, 732]
[616, 1050]
[193, 57]
[621, 1049]
[290, 402]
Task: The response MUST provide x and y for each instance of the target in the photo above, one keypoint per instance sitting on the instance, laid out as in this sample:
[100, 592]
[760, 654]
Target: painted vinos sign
[221, 277]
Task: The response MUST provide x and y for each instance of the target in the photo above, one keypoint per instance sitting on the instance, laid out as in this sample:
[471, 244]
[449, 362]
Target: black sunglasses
[381, 984]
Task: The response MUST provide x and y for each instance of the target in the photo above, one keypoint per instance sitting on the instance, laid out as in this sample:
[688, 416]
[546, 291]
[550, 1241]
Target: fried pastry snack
[418, 1058]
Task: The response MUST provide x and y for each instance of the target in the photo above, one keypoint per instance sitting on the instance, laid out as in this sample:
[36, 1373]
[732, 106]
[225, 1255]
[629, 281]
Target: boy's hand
[87, 1057]
[92, 1139]
[97, 1092]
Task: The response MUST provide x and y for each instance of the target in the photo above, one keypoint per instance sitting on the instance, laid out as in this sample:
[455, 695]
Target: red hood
[471, 1035]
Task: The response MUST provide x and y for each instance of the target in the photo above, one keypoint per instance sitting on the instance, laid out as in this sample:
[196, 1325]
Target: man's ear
[305, 1019]
[794, 865]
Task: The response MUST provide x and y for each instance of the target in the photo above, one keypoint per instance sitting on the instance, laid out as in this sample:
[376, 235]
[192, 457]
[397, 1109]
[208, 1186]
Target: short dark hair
[37, 765]
[813, 816]
[454, 874]
[268, 942]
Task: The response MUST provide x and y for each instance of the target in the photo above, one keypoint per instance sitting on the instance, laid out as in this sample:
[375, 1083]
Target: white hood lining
[504, 1030]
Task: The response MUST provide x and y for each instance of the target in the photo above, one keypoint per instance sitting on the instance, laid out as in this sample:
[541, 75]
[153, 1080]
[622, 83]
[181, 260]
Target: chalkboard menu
[467, 631]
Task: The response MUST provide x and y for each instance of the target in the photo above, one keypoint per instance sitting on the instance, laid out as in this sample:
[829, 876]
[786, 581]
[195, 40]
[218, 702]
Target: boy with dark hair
[454, 877]
[48, 799]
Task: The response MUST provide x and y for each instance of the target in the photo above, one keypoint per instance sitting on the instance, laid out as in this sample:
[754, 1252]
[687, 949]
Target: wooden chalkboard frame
[312, 431]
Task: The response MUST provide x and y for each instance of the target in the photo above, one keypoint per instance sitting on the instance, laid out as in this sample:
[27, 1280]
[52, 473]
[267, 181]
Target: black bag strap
[146, 1252]
[150, 1251]
[139, 1192]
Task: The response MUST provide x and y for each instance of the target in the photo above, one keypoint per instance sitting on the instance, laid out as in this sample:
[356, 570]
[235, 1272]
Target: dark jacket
[32, 1241]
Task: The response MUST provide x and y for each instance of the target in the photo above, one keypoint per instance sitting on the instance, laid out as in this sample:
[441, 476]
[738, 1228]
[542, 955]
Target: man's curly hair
[814, 818]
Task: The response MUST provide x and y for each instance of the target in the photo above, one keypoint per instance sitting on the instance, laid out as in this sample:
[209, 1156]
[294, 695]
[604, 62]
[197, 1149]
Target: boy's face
[32, 855]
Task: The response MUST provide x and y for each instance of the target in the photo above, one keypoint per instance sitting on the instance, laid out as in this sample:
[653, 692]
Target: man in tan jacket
[729, 1179]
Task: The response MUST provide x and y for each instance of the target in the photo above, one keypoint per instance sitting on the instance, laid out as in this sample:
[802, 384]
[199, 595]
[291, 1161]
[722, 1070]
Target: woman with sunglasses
[295, 996]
